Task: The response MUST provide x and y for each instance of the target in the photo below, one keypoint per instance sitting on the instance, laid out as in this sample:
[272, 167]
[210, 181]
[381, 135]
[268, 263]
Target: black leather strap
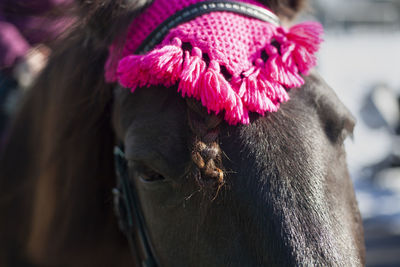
[202, 8]
[129, 214]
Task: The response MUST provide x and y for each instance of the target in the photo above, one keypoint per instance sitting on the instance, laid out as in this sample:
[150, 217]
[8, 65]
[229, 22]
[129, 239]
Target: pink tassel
[262, 94]
[193, 68]
[279, 70]
[271, 93]
[274, 90]
[307, 35]
[238, 85]
[292, 71]
[258, 92]
[164, 64]
[160, 66]
[129, 72]
[276, 93]
[216, 93]
[304, 60]
[237, 114]
[307, 39]
[252, 98]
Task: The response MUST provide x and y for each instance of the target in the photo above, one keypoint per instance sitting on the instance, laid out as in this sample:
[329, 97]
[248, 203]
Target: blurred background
[360, 60]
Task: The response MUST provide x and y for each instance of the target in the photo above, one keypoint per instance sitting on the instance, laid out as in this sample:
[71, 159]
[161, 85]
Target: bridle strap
[126, 203]
[129, 214]
[202, 8]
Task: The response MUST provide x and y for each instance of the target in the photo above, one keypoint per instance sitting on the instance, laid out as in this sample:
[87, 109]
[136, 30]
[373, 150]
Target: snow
[352, 63]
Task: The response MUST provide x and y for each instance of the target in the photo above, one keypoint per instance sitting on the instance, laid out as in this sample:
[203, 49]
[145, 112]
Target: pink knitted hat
[231, 62]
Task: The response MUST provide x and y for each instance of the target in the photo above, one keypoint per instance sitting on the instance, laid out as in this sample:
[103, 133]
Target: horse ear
[336, 119]
[286, 8]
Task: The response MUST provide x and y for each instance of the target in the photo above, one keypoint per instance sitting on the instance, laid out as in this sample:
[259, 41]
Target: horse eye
[147, 174]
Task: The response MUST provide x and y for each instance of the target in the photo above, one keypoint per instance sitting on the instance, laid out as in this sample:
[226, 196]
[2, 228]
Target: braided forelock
[206, 152]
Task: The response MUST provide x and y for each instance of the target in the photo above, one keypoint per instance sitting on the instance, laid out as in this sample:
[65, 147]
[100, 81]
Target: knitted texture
[232, 63]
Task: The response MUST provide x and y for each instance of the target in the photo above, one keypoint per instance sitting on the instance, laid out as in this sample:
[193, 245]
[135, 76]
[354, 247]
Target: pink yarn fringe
[306, 38]
[260, 89]
[160, 66]
[217, 94]
[193, 69]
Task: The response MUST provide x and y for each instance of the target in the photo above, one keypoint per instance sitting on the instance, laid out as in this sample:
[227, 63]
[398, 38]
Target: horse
[283, 196]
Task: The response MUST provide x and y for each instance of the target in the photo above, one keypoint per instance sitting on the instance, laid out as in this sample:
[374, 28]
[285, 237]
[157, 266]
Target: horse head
[273, 191]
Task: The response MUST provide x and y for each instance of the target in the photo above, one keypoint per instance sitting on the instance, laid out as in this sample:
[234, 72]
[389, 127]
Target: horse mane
[61, 141]
[56, 169]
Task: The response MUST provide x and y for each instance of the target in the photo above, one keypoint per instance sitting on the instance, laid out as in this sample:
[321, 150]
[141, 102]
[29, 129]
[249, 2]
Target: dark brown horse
[286, 197]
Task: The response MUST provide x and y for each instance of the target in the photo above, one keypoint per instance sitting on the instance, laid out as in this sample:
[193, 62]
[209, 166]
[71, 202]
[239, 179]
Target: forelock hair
[206, 153]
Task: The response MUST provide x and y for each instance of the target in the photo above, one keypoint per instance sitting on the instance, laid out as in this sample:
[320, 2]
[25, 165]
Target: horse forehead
[293, 142]
[313, 107]
[157, 107]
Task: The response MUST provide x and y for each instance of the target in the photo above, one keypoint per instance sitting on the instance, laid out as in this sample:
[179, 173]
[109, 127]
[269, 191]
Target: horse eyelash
[147, 173]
